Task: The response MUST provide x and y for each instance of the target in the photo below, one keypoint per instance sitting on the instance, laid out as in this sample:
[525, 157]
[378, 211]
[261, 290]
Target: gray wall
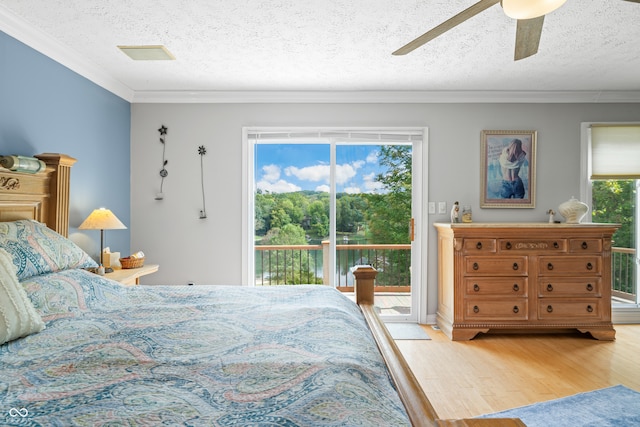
[210, 251]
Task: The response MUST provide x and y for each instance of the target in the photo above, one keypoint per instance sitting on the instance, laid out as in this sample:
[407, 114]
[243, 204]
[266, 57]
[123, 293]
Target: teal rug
[616, 406]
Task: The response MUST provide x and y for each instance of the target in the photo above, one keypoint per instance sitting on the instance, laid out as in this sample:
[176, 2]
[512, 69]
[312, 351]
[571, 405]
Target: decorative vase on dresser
[524, 277]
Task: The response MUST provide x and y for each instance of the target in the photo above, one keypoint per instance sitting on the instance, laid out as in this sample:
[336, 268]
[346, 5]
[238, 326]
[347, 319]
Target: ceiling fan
[529, 13]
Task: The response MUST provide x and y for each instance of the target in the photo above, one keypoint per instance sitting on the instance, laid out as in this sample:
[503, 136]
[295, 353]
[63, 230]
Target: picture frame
[508, 169]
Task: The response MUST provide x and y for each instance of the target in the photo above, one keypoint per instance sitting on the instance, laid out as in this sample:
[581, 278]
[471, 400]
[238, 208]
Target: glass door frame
[419, 207]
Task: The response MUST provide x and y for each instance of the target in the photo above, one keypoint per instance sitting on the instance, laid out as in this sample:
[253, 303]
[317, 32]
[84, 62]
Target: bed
[83, 350]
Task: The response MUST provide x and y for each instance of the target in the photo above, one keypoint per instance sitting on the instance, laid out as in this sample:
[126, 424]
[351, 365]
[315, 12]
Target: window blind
[615, 151]
[338, 136]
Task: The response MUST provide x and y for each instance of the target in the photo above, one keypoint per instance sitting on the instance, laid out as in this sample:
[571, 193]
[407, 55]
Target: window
[611, 180]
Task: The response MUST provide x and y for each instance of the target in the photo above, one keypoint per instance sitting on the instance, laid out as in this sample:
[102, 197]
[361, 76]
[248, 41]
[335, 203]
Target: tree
[614, 202]
[389, 213]
[318, 219]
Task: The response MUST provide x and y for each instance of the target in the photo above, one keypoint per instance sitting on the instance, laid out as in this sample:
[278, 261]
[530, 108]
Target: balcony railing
[296, 264]
[624, 280]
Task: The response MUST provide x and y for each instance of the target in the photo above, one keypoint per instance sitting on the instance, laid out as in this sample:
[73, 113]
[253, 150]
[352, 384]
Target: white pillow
[18, 317]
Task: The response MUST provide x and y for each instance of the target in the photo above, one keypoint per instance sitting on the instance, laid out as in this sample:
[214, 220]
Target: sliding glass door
[326, 201]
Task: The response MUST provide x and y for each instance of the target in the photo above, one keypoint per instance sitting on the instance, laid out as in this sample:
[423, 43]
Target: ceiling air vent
[147, 53]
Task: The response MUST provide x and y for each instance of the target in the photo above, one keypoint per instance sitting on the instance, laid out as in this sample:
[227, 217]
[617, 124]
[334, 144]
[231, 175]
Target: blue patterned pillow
[37, 249]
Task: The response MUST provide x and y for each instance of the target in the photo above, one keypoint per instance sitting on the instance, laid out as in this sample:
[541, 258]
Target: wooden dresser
[524, 277]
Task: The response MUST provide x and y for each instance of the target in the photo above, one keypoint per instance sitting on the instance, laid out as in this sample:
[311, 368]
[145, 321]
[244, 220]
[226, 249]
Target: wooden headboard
[43, 196]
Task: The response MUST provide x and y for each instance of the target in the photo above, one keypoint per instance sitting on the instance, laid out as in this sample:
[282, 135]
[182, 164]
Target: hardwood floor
[496, 372]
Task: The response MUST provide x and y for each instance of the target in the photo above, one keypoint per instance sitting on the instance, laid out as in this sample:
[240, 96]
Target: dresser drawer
[570, 286]
[495, 266]
[496, 309]
[477, 246]
[570, 309]
[585, 246]
[532, 245]
[504, 286]
[569, 265]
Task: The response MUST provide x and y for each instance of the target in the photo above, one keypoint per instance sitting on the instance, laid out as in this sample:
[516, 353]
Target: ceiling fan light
[529, 9]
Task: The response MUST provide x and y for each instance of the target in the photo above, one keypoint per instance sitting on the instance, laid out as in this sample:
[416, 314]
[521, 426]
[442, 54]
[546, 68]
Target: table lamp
[102, 219]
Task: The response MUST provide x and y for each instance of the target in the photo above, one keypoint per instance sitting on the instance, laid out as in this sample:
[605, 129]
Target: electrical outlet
[432, 207]
[442, 207]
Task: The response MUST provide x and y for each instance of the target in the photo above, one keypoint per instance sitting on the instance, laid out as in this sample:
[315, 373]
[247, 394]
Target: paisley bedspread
[193, 356]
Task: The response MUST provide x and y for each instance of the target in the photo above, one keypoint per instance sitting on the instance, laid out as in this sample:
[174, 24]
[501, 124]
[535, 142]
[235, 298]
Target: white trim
[420, 193]
[385, 96]
[25, 33]
[625, 315]
[619, 314]
[248, 255]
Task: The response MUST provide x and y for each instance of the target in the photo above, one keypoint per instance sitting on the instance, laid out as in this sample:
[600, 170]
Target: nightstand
[131, 276]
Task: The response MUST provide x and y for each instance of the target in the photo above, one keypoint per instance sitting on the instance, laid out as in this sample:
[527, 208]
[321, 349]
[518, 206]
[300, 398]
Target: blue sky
[284, 168]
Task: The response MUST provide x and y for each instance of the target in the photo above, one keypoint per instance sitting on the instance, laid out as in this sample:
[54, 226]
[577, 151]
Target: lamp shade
[529, 9]
[102, 219]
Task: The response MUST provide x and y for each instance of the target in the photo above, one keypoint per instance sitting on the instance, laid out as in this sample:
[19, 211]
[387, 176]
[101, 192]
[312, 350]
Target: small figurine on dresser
[455, 210]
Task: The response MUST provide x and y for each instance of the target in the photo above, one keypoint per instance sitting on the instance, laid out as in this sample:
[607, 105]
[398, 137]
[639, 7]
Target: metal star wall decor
[163, 172]
[202, 151]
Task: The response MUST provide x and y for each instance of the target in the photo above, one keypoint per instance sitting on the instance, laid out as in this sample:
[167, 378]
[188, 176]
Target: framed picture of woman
[508, 169]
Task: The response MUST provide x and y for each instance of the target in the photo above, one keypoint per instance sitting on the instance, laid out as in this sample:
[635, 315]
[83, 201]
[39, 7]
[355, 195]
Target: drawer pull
[589, 309]
[584, 245]
[516, 288]
[589, 266]
[475, 266]
[549, 266]
[479, 245]
[476, 309]
[476, 288]
[549, 309]
[556, 245]
[516, 309]
[550, 287]
[589, 287]
[508, 246]
[515, 266]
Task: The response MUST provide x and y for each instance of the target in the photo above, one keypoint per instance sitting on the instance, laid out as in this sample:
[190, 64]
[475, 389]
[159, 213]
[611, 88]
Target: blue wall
[45, 107]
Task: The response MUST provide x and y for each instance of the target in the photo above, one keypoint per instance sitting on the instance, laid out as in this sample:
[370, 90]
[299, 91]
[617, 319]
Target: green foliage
[613, 201]
[289, 234]
[389, 213]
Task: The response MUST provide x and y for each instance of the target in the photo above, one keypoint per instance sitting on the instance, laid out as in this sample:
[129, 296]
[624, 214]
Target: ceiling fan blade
[528, 35]
[446, 26]
[634, 1]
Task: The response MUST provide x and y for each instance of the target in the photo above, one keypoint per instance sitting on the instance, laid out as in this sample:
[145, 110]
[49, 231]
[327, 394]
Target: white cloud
[372, 157]
[271, 173]
[320, 173]
[310, 173]
[280, 186]
[324, 188]
[352, 190]
[345, 172]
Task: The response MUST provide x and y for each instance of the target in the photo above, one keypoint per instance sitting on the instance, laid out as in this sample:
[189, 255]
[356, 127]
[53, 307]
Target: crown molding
[409, 97]
[38, 40]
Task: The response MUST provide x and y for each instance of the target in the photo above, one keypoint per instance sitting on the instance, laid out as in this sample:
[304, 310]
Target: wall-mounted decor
[508, 169]
[163, 172]
[202, 151]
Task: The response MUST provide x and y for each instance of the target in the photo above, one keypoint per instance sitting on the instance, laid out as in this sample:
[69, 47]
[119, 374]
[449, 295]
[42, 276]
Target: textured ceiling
[335, 45]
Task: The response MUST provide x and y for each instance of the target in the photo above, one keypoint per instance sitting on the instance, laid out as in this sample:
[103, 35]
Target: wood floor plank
[496, 372]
